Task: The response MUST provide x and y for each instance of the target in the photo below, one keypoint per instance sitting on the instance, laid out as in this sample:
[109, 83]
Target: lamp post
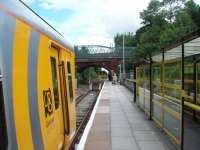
[120, 72]
[124, 71]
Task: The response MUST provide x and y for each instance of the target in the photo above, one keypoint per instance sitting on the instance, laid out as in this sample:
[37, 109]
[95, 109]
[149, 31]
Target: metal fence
[98, 51]
[168, 86]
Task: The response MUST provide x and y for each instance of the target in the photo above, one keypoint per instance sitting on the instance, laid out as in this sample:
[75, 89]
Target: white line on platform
[82, 142]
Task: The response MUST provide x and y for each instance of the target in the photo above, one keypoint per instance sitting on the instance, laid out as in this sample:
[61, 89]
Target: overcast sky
[91, 21]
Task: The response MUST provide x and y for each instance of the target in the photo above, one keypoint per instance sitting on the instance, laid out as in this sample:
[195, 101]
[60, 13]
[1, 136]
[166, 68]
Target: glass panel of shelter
[192, 57]
[167, 84]
[140, 86]
[166, 76]
[157, 101]
[172, 90]
[191, 94]
[147, 89]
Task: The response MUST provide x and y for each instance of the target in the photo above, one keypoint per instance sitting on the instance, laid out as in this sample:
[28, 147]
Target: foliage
[150, 15]
[193, 10]
[129, 40]
[163, 23]
[88, 74]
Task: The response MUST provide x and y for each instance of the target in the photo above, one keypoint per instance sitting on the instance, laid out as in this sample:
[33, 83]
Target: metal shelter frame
[167, 85]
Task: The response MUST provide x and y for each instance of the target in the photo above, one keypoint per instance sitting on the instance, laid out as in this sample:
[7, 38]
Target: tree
[129, 40]
[194, 11]
[151, 12]
[163, 23]
[171, 7]
[182, 25]
[154, 21]
[88, 74]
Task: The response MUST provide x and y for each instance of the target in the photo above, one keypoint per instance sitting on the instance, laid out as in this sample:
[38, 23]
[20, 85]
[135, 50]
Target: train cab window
[3, 133]
[55, 82]
[70, 80]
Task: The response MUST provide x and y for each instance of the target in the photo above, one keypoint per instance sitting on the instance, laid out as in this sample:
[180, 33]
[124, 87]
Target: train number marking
[48, 103]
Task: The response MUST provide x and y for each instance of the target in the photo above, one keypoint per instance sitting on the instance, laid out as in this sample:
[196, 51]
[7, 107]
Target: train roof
[22, 11]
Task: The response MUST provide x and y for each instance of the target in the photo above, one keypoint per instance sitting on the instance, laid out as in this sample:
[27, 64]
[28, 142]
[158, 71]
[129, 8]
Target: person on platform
[114, 78]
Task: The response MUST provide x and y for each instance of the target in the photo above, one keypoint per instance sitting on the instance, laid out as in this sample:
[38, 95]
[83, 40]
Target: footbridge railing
[98, 51]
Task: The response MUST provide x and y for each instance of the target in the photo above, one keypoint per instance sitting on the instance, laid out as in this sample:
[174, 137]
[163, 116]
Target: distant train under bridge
[96, 55]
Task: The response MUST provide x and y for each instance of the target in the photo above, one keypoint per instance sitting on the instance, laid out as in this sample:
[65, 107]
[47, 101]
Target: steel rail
[84, 120]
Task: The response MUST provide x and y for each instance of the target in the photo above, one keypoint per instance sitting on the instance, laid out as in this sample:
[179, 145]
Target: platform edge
[82, 142]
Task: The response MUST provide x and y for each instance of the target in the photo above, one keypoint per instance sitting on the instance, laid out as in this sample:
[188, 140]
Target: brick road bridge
[101, 56]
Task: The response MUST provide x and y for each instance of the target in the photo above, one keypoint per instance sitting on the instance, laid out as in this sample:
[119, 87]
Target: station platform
[120, 125]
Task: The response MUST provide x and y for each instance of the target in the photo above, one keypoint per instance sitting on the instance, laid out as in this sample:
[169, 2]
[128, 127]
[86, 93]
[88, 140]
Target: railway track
[84, 106]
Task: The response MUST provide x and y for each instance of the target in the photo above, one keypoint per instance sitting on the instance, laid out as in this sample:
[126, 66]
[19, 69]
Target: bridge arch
[80, 70]
[109, 64]
[97, 55]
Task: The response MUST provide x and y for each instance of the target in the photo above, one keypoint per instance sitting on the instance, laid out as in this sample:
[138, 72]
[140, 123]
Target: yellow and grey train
[37, 105]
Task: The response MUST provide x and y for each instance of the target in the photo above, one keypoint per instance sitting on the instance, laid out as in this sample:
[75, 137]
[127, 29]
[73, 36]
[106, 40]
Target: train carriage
[37, 102]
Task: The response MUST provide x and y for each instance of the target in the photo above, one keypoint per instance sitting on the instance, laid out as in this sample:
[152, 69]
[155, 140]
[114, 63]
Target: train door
[63, 80]
[67, 76]
[57, 95]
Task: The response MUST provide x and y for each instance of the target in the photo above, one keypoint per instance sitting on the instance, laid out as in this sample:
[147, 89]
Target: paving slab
[124, 143]
[151, 145]
[120, 125]
[145, 136]
[121, 132]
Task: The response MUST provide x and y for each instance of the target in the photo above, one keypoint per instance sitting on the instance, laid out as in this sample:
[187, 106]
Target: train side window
[3, 131]
[55, 82]
[70, 80]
